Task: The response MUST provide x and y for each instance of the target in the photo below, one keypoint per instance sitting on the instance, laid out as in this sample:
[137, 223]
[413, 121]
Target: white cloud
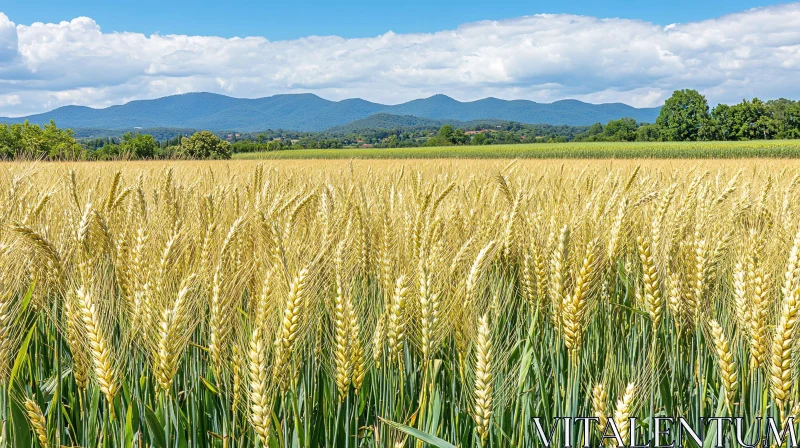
[10, 100]
[8, 41]
[542, 57]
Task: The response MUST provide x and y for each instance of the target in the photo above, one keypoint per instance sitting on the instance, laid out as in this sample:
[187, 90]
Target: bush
[204, 145]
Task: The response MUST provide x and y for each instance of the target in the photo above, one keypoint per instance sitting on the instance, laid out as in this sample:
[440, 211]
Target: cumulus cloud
[543, 57]
[8, 40]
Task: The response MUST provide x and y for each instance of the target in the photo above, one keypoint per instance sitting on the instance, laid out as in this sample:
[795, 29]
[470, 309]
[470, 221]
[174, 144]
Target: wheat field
[787, 149]
[394, 303]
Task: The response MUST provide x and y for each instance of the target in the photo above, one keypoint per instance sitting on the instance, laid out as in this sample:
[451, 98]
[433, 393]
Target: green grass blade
[420, 435]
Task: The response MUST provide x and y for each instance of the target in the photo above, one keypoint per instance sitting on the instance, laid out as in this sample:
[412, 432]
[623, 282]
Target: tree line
[686, 116]
[49, 142]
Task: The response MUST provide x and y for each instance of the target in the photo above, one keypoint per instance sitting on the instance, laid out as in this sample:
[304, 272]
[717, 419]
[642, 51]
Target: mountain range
[309, 112]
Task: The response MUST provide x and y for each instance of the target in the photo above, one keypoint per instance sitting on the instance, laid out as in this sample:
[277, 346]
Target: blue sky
[278, 20]
[98, 54]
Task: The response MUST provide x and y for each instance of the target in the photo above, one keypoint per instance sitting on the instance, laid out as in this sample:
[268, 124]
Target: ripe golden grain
[345, 293]
[482, 411]
[38, 421]
[727, 366]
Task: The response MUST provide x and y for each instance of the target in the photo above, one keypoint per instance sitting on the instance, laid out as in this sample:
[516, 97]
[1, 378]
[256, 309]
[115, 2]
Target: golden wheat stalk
[758, 317]
[174, 331]
[660, 215]
[616, 230]
[675, 301]
[699, 278]
[218, 327]
[357, 360]
[727, 366]
[780, 369]
[792, 272]
[7, 333]
[76, 340]
[558, 275]
[38, 421]
[650, 282]
[37, 241]
[475, 271]
[396, 323]
[290, 327]
[341, 333]
[385, 253]
[98, 345]
[599, 405]
[623, 410]
[260, 403]
[741, 296]
[429, 309]
[482, 410]
[576, 305]
[527, 279]
[378, 341]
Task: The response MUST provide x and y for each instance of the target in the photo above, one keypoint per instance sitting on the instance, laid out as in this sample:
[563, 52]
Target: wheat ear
[76, 340]
[290, 325]
[260, 406]
[38, 421]
[98, 345]
[622, 412]
[699, 280]
[341, 350]
[576, 304]
[652, 290]
[429, 309]
[741, 296]
[172, 335]
[396, 326]
[378, 341]
[781, 360]
[557, 274]
[758, 317]
[257, 372]
[356, 352]
[599, 405]
[482, 411]
[7, 351]
[727, 366]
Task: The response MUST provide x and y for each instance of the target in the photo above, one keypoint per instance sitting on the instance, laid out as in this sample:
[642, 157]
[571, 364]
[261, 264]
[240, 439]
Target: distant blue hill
[308, 112]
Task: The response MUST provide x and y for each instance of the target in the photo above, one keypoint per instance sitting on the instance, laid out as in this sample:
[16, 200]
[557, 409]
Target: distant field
[602, 150]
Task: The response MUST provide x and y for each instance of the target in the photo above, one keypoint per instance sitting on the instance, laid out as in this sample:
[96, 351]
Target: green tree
[58, 143]
[445, 134]
[138, 146]
[30, 140]
[594, 129]
[786, 114]
[459, 137]
[594, 132]
[622, 130]
[647, 133]
[393, 142]
[204, 145]
[683, 116]
[751, 120]
[108, 151]
[721, 124]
